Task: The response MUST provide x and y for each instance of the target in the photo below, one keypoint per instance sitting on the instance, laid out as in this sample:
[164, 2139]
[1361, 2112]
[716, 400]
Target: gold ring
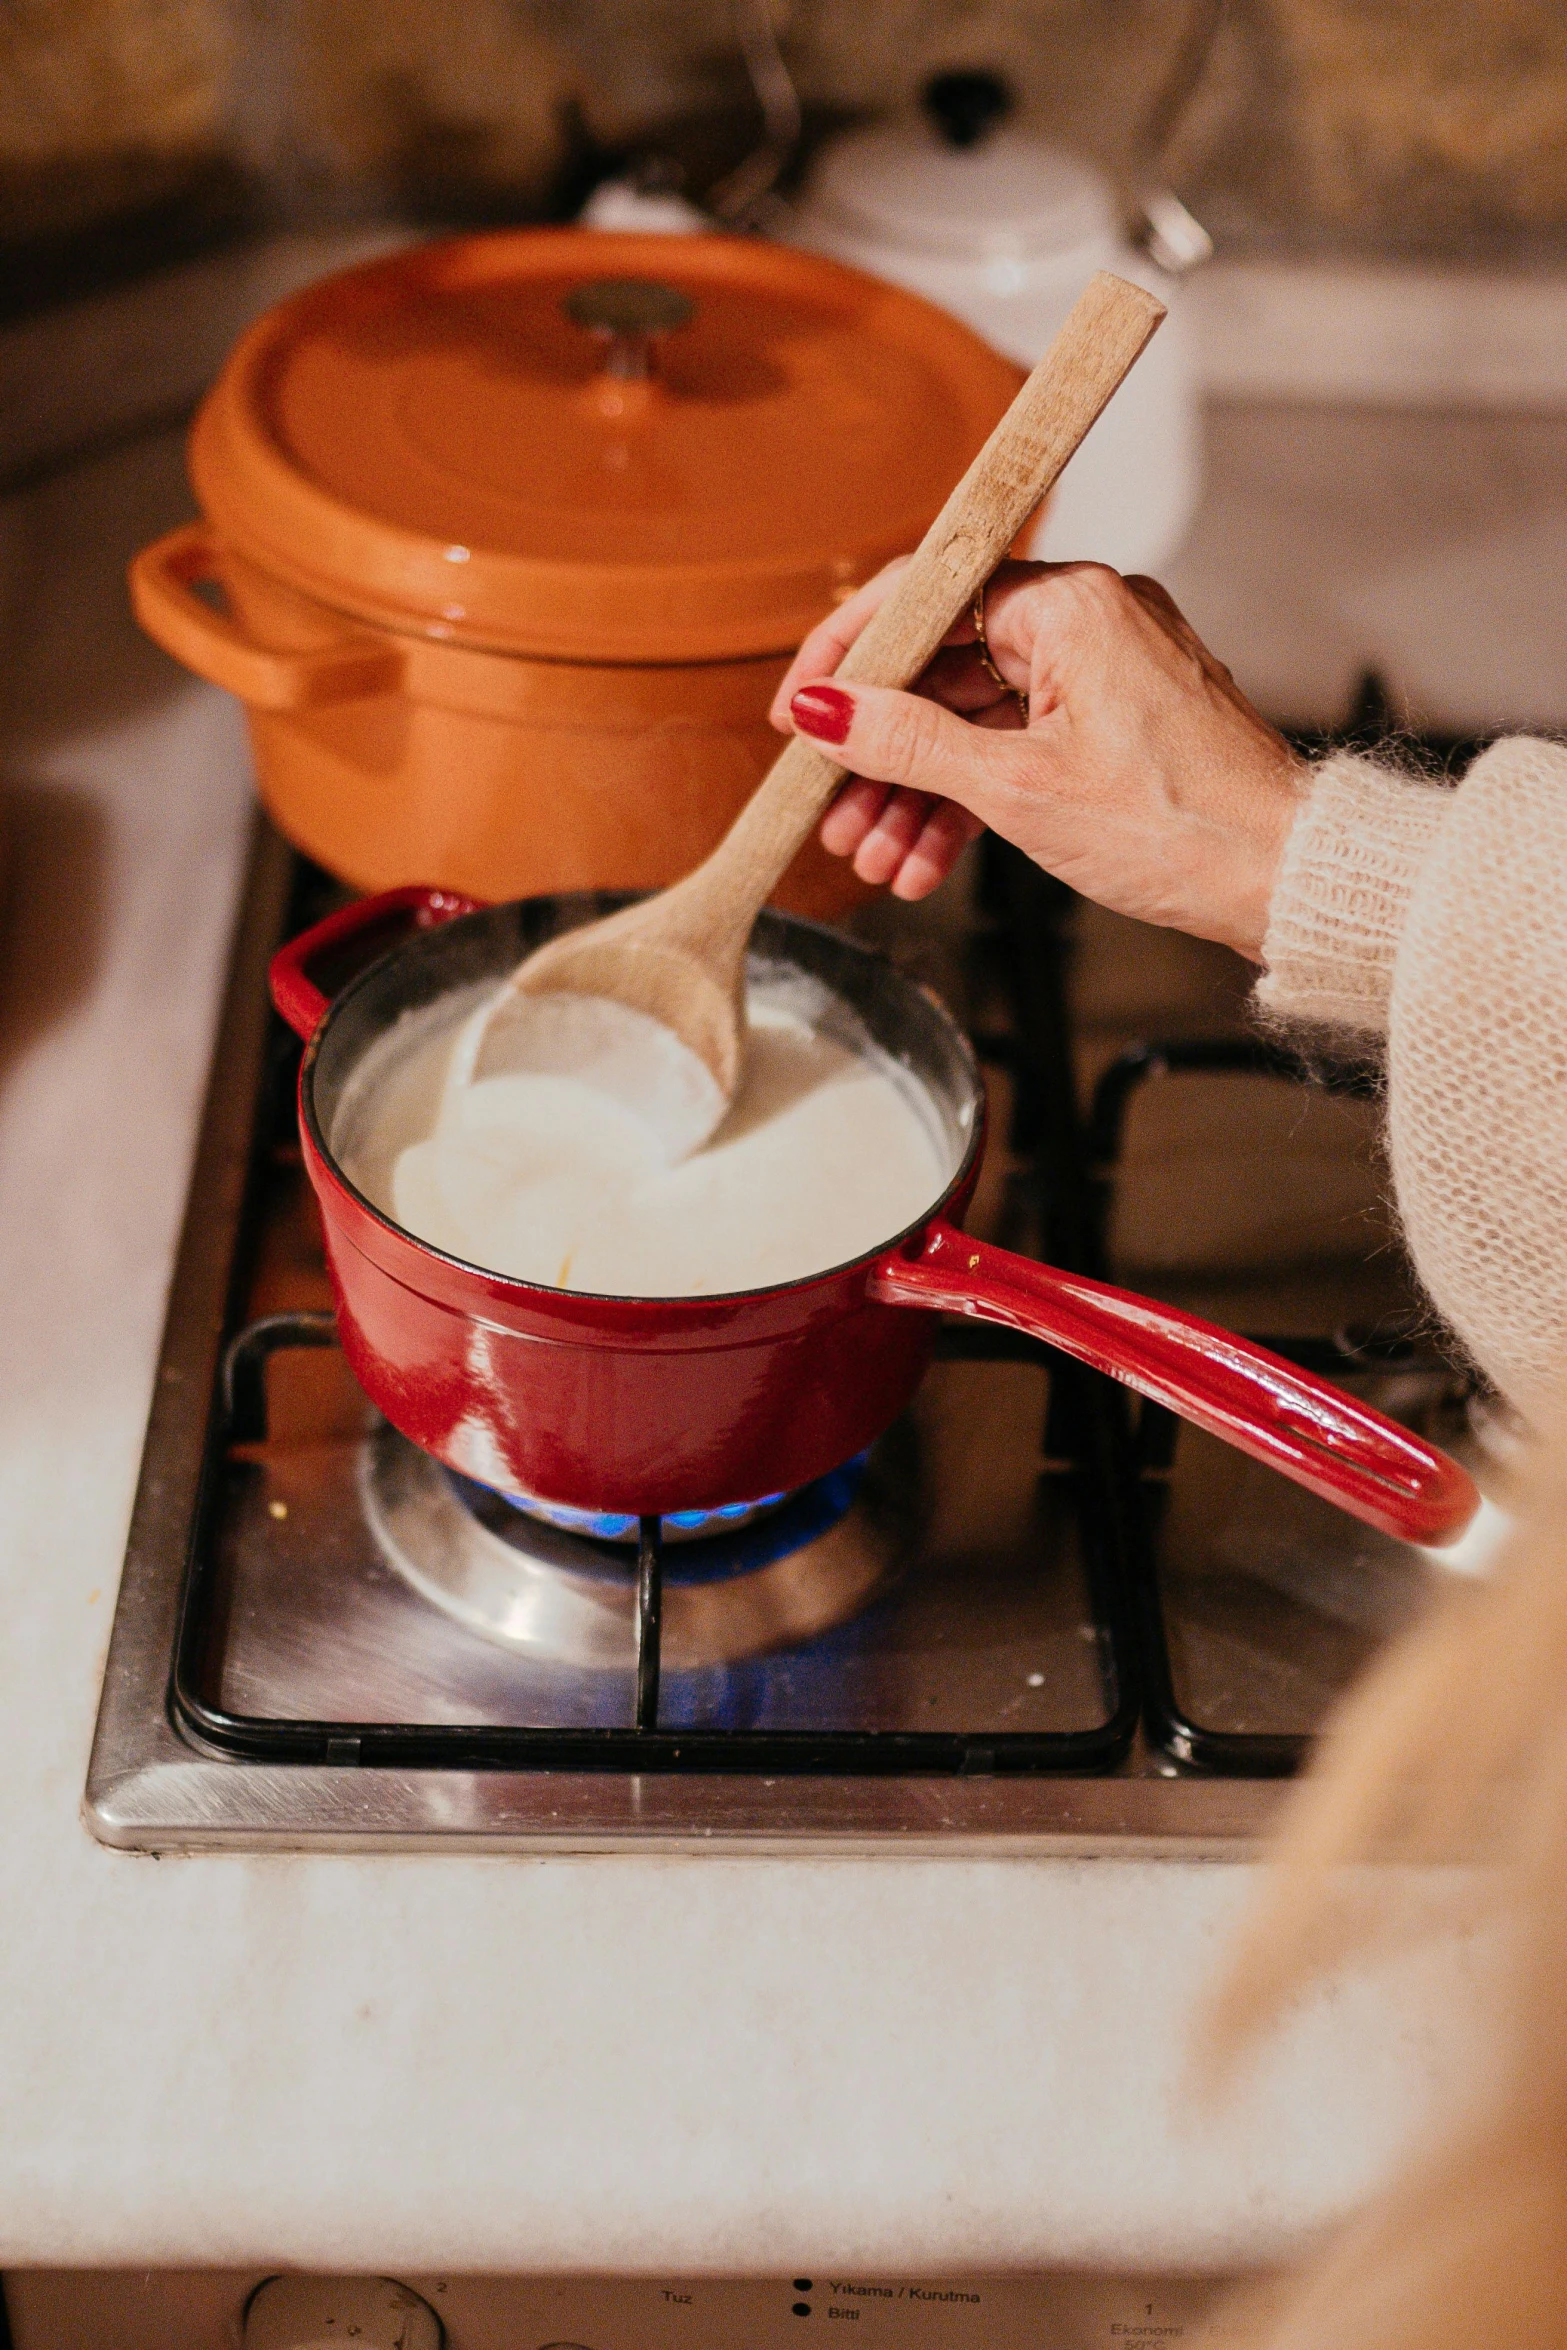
[987, 661]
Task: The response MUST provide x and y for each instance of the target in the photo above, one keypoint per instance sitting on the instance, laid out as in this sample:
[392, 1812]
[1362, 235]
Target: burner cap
[795, 1566]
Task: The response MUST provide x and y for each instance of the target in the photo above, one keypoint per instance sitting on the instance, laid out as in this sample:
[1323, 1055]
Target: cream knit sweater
[1437, 919]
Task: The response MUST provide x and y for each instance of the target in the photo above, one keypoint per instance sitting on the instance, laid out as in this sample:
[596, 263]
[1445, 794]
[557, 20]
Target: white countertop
[630, 2063]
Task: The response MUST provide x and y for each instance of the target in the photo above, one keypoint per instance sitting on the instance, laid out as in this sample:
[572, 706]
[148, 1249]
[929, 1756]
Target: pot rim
[332, 544]
[454, 654]
[533, 1294]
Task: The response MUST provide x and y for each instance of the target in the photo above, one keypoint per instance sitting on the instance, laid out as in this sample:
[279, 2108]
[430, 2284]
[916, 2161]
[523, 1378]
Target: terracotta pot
[654, 1404]
[507, 595]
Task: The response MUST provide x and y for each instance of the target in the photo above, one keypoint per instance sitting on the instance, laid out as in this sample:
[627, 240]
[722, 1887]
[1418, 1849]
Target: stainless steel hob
[1037, 1617]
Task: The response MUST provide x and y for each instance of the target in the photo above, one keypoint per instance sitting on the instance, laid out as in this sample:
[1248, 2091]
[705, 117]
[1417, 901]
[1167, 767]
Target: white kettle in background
[1004, 231]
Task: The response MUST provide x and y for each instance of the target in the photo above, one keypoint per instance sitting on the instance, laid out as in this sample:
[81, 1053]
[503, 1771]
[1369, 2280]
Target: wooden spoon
[678, 959]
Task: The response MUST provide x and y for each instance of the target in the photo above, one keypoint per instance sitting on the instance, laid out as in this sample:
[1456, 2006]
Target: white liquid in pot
[828, 1151]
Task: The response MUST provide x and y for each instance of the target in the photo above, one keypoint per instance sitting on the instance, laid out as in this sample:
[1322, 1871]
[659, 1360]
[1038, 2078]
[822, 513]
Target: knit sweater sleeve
[1342, 896]
[1439, 918]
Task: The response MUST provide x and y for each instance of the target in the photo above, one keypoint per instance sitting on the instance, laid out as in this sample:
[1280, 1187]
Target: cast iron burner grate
[577, 1589]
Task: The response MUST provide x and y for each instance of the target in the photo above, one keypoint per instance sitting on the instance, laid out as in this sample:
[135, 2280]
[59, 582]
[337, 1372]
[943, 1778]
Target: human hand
[1144, 778]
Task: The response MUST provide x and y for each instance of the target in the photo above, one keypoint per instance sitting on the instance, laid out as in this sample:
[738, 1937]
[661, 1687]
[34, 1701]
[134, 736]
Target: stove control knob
[339, 2313]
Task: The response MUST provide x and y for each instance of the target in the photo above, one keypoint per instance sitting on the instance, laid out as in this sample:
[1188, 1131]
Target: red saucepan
[648, 1404]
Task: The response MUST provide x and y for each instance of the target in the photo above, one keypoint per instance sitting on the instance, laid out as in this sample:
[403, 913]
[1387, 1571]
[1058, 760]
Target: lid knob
[627, 313]
[965, 107]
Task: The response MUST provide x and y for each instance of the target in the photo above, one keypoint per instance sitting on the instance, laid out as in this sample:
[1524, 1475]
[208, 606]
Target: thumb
[900, 738]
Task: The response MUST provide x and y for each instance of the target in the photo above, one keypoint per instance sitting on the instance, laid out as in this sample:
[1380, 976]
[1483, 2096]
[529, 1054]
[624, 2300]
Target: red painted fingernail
[824, 711]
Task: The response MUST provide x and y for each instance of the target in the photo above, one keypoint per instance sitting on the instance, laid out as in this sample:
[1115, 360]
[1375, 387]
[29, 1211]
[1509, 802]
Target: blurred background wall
[134, 131]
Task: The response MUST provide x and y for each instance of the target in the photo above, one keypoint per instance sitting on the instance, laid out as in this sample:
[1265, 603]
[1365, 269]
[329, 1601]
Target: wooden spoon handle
[1106, 330]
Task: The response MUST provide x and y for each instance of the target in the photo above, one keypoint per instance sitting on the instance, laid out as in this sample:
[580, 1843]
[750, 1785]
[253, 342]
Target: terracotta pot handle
[1300, 1425]
[163, 579]
[394, 912]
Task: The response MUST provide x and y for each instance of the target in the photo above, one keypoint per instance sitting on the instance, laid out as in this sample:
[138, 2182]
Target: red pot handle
[1302, 1426]
[396, 911]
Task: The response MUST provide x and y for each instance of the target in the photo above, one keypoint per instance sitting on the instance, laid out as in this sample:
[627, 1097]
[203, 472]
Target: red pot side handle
[1301, 1426]
[367, 923]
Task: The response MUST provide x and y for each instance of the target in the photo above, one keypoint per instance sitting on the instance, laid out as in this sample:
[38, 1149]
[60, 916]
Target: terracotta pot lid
[590, 446]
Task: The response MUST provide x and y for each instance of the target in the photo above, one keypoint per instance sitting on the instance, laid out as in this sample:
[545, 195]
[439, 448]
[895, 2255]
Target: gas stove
[1039, 1616]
